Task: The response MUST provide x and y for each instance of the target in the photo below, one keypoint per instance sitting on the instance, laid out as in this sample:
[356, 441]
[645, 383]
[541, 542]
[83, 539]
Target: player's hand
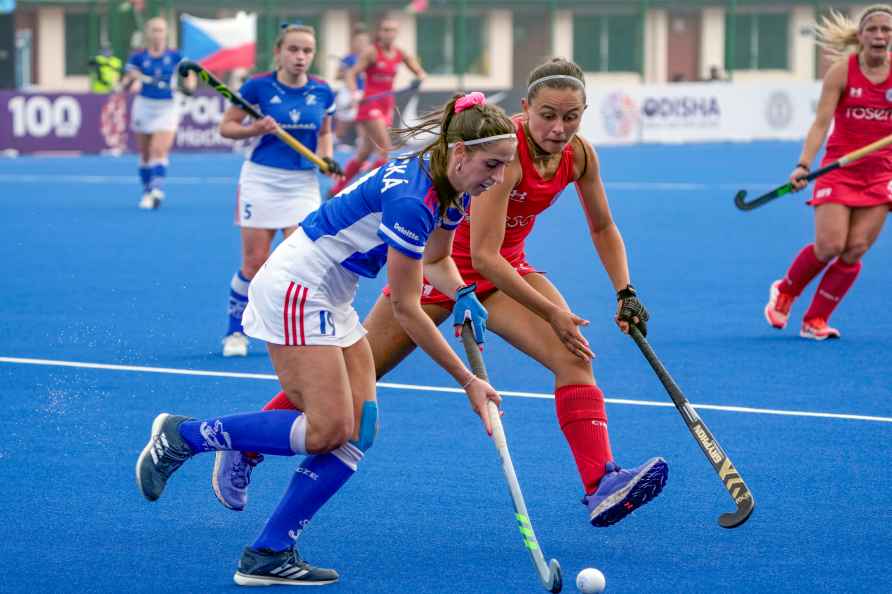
[630, 311]
[265, 125]
[479, 392]
[796, 177]
[468, 308]
[333, 168]
[566, 324]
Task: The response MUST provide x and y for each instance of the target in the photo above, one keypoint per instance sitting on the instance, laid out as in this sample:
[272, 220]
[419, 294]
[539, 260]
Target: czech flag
[220, 44]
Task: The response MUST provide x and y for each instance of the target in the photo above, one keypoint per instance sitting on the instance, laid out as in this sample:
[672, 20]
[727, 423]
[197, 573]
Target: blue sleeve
[406, 223]
[330, 103]
[249, 91]
[133, 62]
[454, 216]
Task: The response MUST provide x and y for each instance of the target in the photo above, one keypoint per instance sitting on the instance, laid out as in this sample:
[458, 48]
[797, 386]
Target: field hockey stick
[742, 204]
[550, 573]
[720, 461]
[413, 86]
[187, 66]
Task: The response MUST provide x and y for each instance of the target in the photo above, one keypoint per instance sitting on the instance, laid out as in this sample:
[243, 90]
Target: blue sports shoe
[620, 492]
[231, 477]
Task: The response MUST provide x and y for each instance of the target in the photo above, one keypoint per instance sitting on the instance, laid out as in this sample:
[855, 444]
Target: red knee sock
[804, 268]
[279, 402]
[378, 163]
[351, 169]
[581, 414]
[836, 282]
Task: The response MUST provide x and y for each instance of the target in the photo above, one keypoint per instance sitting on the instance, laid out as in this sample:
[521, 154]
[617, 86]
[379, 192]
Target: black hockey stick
[740, 197]
[550, 573]
[187, 66]
[720, 461]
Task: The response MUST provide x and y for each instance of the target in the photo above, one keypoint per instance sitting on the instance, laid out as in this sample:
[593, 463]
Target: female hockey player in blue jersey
[155, 116]
[401, 215]
[277, 187]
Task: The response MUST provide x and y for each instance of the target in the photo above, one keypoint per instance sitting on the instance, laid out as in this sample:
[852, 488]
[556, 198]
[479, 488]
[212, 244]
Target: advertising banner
[88, 123]
[669, 113]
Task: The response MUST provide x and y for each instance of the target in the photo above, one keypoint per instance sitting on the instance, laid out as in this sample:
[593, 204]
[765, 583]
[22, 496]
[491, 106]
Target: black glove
[628, 307]
[332, 166]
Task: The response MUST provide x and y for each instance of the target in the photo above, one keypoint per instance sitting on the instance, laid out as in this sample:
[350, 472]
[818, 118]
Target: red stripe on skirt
[285, 313]
[293, 320]
[303, 299]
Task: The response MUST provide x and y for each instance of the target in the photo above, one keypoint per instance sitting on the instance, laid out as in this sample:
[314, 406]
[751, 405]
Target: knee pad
[369, 425]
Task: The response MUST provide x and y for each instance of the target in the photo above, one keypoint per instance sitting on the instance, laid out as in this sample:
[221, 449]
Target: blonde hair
[472, 123]
[837, 34]
[286, 29]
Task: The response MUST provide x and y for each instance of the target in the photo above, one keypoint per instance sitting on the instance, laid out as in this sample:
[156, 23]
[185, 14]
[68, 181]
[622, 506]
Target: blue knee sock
[315, 481]
[238, 299]
[159, 172]
[277, 432]
[145, 176]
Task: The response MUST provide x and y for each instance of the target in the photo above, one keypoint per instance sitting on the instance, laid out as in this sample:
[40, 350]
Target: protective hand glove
[468, 307]
[332, 166]
[628, 308]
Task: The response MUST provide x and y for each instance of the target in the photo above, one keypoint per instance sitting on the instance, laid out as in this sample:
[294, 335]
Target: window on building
[451, 44]
[77, 43]
[757, 41]
[607, 42]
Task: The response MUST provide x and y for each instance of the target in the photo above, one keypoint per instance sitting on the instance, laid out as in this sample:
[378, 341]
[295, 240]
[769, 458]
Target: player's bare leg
[611, 493]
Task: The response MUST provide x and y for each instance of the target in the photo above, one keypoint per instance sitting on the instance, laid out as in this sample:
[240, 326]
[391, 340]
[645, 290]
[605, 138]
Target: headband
[555, 77]
[484, 139]
[869, 14]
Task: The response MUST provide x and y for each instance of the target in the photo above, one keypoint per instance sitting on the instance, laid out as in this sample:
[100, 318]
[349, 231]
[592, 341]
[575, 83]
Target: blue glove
[468, 307]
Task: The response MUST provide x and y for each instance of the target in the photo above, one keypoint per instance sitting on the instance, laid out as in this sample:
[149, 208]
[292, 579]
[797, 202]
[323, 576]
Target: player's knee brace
[369, 425]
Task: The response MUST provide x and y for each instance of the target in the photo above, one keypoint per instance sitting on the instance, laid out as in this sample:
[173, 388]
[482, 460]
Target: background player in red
[379, 64]
[523, 306]
[851, 203]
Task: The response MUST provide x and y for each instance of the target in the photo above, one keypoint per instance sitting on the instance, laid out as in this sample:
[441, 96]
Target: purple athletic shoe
[620, 491]
[231, 477]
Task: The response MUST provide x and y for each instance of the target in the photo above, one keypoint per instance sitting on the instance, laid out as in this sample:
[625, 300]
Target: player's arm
[487, 234]
[189, 83]
[233, 127]
[607, 239]
[132, 79]
[414, 66]
[404, 275]
[325, 142]
[831, 90]
[439, 267]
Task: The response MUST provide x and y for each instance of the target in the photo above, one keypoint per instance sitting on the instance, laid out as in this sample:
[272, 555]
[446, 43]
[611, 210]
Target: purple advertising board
[87, 123]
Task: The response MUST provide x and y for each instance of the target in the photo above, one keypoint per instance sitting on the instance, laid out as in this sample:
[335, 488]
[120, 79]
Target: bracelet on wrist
[469, 382]
[803, 166]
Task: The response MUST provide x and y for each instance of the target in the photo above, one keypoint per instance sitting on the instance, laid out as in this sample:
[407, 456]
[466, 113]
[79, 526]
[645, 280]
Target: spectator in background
[105, 71]
[715, 74]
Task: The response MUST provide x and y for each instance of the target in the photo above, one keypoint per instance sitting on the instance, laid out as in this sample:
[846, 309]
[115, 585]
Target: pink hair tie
[469, 100]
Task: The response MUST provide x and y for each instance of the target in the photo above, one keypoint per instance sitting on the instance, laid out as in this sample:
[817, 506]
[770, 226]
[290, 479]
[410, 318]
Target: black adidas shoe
[165, 452]
[264, 567]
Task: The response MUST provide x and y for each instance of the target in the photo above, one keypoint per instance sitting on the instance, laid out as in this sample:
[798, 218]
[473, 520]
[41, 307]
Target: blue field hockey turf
[89, 278]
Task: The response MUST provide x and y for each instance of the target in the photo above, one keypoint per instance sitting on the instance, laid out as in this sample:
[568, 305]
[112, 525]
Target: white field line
[422, 388]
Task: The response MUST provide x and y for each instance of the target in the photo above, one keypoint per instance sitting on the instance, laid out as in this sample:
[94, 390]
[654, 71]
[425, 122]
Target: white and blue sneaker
[620, 491]
[165, 452]
[231, 477]
[268, 568]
